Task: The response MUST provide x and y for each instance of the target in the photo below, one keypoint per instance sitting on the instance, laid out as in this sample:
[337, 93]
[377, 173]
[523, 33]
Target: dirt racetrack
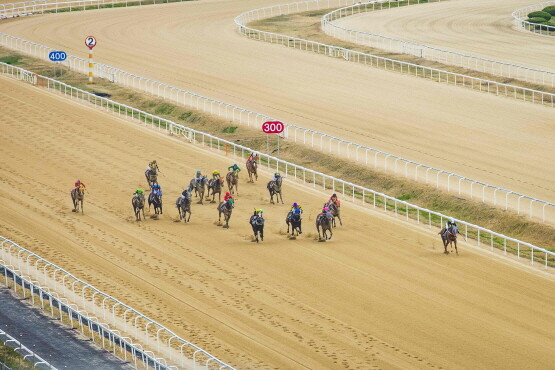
[379, 294]
[480, 28]
[194, 45]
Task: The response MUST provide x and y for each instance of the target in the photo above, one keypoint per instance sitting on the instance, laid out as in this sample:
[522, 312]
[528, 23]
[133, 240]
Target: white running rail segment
[493, 67]
[27, 8]
[28, 355]
[353, 192]
[520, 16]
[361, 154]
[121, 329]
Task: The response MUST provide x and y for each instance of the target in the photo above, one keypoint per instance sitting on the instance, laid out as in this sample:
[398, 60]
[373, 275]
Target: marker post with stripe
[90, 41]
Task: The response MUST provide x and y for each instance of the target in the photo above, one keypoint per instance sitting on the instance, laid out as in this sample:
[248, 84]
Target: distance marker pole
[90, 42]
[90, 65]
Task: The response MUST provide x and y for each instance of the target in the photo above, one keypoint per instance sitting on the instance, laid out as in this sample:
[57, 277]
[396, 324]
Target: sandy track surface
[480, 28]
[379, 294]
[194, 45]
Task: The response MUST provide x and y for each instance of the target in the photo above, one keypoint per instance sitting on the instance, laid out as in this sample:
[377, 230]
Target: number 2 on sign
[90, 41]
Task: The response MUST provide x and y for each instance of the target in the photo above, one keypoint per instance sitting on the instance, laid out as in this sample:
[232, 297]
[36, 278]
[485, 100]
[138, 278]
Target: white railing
[138, 339]
[356, 152]
[519, 16]
[434, 74]
[493, 67]
[27, 8]
[28, 355]
[353, 192]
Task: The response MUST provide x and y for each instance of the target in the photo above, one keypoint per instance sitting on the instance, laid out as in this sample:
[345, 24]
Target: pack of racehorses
[206, 189]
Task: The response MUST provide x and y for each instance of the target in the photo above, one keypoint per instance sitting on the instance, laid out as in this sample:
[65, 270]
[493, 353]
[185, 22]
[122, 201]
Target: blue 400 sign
[57, 56]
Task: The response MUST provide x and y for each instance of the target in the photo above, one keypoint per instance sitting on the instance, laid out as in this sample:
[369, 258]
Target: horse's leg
[262, 233]
[237, 186]
[82, 208]
[456, 250]
[281, 197]
[339, 217]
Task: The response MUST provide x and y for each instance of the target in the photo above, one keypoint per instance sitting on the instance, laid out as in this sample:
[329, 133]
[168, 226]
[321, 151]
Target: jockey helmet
[139, 191]
[334, 195]
[452, 220]
[198, 172]
[215, 172]
[78, 181]
[277, 174]
[227, 193]
[326, 209]
[295, 205]
[260, 210]
[154, 161]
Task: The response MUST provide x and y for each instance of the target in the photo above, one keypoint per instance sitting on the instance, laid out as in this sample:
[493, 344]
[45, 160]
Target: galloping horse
[155, 199]
[335, 211]
[138, 203]
[274, 187]
[257, 223]
[151, 177]
[78, 196]
[226, 208]
[232, 182]
[216, 186]
[252, 167]
[294, 219]
[324, 222]
[184, 207]
[199, 187]
[449, 236]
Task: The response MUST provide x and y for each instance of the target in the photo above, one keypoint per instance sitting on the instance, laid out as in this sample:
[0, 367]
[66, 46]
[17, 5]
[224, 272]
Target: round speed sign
[273, 127]
[90, 41]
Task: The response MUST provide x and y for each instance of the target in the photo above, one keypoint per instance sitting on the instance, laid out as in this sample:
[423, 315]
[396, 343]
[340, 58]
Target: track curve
[481, 28]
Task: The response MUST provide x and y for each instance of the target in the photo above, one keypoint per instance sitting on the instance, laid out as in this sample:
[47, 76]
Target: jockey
[216, 175]
[325, 212]
[235, 168]
[252, 157]
[184, 195]
[156, 189]
[296, 208]
[227, 197]
[334, 200]
[448, 226]
[259, 212]
[198, 175]
[79, 183]
[153, 166]
[276, 176]
[137, 192]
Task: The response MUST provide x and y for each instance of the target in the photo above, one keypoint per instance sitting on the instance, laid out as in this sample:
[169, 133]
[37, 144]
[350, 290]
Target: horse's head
[81, 189]
[296, 217]
[259, 220]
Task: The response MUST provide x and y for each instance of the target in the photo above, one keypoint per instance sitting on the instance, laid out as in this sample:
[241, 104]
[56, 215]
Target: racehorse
[324, 222]
[199, 187]
[155, 199]
[216, 186]
[257, 223]
[232, 182]
[294, 219]
[335, 211]
[184, 207]
[78, 196]
[252, 167]
[151, 177]
[138, 203]
[274, 187]
[449, 236]
[226, 208]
